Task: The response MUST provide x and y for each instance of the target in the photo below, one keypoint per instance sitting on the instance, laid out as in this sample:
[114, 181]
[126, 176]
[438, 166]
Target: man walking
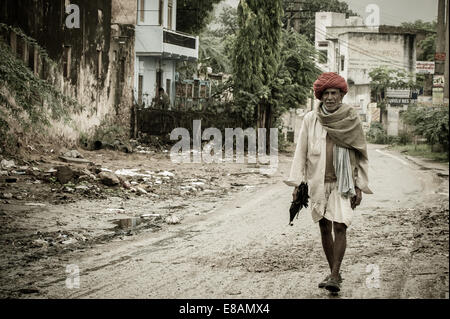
[163, 99]
[331, 156]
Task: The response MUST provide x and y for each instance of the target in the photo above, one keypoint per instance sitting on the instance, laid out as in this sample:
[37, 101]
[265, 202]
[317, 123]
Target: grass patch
[421, 150]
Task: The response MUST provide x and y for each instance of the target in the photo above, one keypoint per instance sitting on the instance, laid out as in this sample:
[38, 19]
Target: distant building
[352, 49]
[158, 48]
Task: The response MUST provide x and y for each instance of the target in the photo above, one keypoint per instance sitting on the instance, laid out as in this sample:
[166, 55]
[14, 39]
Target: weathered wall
[124, 11]
[370, 50]
[101, 56]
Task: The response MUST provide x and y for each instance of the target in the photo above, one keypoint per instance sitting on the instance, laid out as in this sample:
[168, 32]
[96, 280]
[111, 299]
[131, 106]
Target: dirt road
[397, 247]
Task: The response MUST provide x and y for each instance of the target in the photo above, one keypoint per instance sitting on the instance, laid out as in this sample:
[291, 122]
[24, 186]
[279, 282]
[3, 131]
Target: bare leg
[340, 243]
[327, 240]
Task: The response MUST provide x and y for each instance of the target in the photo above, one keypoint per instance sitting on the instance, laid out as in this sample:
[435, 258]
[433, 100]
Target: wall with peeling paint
[101, 61]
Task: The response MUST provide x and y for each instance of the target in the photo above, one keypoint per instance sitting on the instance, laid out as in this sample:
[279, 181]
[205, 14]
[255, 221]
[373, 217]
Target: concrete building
[352, 49]
[158, 48]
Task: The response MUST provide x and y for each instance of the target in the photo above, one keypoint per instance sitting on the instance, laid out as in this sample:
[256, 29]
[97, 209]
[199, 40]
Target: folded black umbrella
[300, 201]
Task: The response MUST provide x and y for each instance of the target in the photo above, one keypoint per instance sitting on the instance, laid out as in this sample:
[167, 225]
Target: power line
[396, 63]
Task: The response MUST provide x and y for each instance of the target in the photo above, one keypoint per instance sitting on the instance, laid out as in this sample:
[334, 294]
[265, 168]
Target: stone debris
[64, 174]
[39, 243]
[7, 196]
[166, 173]
[150, 215]
[108, 178]
[172, 220]
[73, 154]
[75, 160]
[35, 204]
[69, 241]
[131, 173]
[5, 164]
[141, 190]
[82, 188]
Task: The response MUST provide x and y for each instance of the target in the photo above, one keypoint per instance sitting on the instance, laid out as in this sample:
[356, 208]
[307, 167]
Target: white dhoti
[337, 208]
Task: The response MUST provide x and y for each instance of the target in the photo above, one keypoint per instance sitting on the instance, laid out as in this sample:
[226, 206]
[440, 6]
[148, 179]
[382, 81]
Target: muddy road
[240, 245]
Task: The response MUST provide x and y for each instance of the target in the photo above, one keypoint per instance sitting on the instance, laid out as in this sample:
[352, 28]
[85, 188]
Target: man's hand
[356, 200]
[294, 194]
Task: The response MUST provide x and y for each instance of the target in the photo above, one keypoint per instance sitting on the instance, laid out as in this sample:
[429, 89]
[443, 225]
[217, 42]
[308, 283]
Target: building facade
[352, 49]
[158, 49]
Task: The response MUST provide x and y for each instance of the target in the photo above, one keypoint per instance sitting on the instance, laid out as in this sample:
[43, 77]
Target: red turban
[329, 80]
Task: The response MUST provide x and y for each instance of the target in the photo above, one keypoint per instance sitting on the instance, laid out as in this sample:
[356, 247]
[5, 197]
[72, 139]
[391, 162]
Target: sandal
[323, 283]
[333, 285]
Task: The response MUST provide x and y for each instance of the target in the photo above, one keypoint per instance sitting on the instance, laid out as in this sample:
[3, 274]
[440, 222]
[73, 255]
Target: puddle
[128, 223]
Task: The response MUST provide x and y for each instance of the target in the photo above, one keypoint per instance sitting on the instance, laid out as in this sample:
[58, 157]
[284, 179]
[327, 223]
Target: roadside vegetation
[425, 133]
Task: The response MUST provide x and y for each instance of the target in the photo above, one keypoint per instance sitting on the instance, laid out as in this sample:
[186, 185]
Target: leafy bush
[378, 135]
[429, 122]
[404, 137]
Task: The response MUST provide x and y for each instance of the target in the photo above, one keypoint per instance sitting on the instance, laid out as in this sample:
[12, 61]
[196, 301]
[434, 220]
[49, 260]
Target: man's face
[332, 99]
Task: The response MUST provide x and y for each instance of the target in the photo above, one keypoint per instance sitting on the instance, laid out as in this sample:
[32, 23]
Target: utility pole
[446, 57]
[440, 56]
[297, 8]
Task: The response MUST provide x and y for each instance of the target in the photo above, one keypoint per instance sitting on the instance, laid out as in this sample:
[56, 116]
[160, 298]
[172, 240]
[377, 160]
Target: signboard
[438, 95]
[438, 81]
[439, 56]
[402, 93]
[425, 67]
[399, 101]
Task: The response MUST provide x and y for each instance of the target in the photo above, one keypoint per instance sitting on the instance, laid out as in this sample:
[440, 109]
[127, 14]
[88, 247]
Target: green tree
[304, 13]
[383, 78]
[194, 15]
[228, 22]
[297, 71]
[427, 45]
[257, 59]
[216, 45]
[431, 123]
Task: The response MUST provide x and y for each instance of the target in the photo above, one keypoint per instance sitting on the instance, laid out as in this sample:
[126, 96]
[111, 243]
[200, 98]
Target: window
[323, 56]
[32, 62]
[158, 81]
[169, 15]
[99, 16]
[99, 64]
[168, 86]
[161, 11]
[142, 10]
[196, 89]
[66, 60]
[13, 41]
[342, 63]
[122, 70]
[20, 47]
[140, 87]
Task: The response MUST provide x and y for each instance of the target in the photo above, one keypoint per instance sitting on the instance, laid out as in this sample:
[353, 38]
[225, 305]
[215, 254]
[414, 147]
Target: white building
[158, 47]
[353, 49]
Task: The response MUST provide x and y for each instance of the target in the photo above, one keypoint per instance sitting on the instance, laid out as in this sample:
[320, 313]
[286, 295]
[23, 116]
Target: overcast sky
[392, 12]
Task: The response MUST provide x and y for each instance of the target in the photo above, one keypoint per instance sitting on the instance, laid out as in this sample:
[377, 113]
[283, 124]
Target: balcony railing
[156, 40]
[179, 39]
